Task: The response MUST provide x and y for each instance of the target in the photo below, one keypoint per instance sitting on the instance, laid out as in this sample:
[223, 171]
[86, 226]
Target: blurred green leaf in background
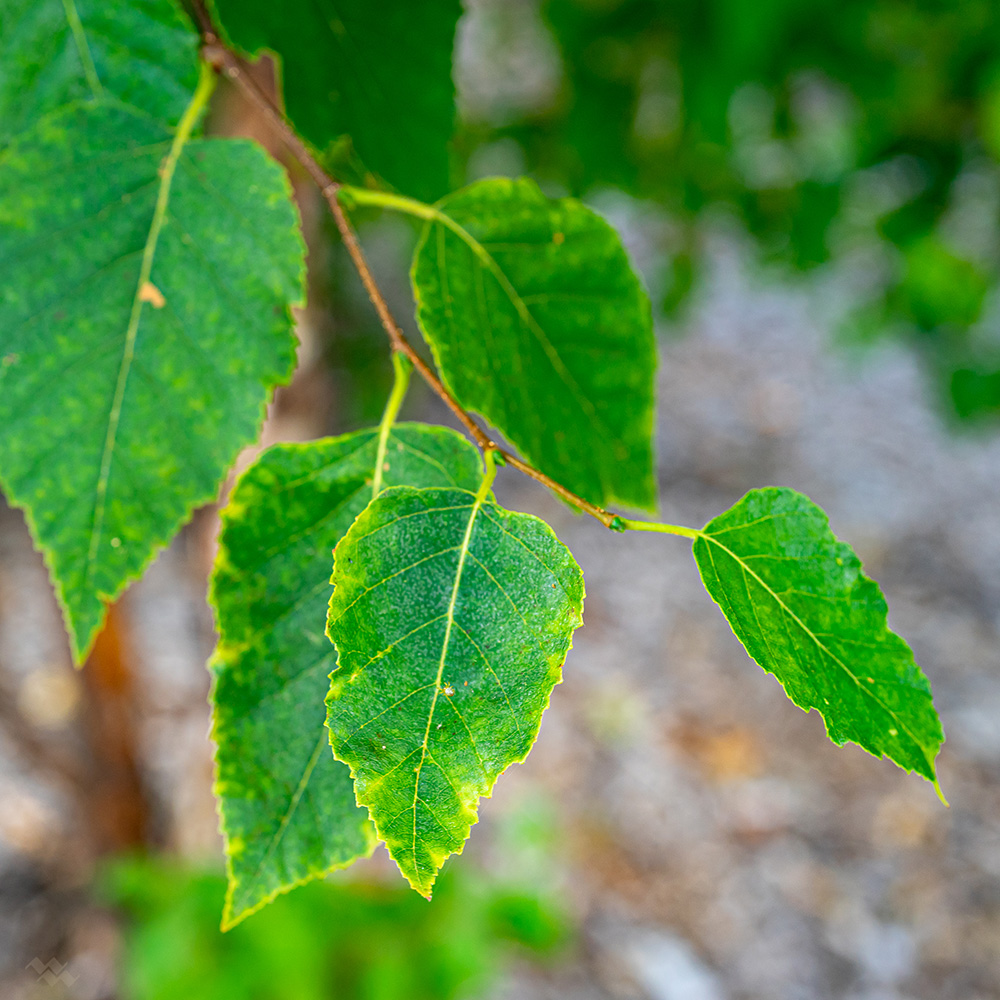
[335, 940]
[831, 132]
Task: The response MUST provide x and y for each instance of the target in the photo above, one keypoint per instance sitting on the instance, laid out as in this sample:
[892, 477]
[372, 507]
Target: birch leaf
[146, 280]
[797, 599]
[537, 320]
[452, 617]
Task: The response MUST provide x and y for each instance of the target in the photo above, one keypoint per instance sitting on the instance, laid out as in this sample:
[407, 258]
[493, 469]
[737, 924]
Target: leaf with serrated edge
[286, 805]
[797, 599]
[137, 358]
[537, 321]
[452, 618]
[380, 72]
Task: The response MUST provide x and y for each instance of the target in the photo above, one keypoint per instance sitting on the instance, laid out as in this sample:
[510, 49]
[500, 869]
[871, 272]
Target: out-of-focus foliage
[345, 940]
[371, 70]
[840, 126]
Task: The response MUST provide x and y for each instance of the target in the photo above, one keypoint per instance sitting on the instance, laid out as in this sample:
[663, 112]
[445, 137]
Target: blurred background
[812, 195]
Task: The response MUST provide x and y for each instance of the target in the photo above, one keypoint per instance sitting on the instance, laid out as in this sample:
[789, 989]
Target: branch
[225, 61]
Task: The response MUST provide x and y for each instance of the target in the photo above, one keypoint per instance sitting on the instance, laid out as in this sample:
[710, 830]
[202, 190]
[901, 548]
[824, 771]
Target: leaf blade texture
[798, 601]
[537, 321]
[383, 70]
[54, 52]
[286, 805]
[145, 310]
[452, 618]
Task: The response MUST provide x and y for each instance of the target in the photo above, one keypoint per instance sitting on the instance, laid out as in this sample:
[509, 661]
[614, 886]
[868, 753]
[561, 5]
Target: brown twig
[216, 54]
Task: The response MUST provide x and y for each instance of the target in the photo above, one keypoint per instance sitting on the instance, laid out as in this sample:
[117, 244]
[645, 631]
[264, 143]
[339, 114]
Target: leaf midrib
[449, 623]
[286, 820]
[184, 129]
[83, 48]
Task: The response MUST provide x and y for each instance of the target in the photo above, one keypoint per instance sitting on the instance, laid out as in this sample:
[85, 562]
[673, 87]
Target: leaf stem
[625, 524]
[940, 794]
[490, 459]
[385, 199]
[402, 367]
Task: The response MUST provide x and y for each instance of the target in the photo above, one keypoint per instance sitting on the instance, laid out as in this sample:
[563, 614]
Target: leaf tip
[230, 916]
[422, 886]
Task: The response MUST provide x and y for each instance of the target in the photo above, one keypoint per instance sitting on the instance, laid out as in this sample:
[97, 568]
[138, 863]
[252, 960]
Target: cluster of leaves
[145, 318]
[820, 126]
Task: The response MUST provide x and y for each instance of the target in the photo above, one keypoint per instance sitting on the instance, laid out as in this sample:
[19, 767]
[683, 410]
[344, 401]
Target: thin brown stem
[225, 61]
[228, 63]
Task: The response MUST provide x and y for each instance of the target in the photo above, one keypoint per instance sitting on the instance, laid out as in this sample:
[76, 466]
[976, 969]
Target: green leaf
[380, 72]
[452, 617]
[145, 318]
[287, 806]
[797, 599]
[141, 53]
[538, 322]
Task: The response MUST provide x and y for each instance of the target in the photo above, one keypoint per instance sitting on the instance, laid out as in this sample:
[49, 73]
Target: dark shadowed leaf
[379, 72]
